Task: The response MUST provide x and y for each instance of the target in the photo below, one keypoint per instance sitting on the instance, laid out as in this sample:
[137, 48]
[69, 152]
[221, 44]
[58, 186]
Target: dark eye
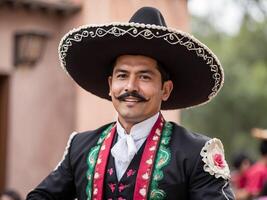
[121, 75]
[145, 77]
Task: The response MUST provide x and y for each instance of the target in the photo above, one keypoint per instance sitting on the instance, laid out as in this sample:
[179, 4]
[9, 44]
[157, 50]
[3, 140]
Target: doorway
[3, 128]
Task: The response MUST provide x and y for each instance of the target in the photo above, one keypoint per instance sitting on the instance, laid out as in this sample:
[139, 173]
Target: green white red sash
[156, 155]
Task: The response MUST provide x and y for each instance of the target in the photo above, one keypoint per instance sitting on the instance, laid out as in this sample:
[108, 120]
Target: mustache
[131, 94]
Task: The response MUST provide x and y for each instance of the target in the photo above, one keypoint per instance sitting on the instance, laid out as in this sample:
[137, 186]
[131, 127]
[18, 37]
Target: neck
[128, 124]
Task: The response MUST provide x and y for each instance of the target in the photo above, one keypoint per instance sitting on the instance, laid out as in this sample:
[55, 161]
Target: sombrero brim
[87, 53]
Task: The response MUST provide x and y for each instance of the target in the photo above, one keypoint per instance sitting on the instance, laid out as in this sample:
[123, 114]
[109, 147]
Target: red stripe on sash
[147, 162]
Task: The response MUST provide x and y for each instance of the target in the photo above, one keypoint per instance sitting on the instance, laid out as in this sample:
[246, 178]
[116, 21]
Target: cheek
[115, 88]
[153, 92]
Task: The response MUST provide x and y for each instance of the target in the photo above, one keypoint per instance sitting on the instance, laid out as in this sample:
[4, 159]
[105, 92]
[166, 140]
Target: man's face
[139, 77]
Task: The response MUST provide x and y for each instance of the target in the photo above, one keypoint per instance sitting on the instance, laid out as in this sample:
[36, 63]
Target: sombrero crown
[87, 54]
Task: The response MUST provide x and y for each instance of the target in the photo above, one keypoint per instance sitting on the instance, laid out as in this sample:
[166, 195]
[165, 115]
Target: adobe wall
[41, 99]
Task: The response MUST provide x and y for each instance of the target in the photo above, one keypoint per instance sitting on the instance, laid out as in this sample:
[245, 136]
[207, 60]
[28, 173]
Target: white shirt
[127, 145]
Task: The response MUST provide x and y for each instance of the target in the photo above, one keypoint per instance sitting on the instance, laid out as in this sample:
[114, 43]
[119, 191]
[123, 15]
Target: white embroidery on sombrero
[173, 37]
[213, 156]
[66, 149]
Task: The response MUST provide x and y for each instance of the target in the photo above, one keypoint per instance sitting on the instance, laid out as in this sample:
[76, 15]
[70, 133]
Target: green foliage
[242, 103]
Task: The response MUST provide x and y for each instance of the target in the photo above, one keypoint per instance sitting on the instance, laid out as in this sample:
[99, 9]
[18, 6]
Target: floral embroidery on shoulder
[213, 156]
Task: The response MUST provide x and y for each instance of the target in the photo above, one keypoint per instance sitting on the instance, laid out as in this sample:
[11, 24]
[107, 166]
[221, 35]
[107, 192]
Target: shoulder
[187, 140]
[195, 147]
[90, 134]
[186, 145]
[257, 168]
[83, 140]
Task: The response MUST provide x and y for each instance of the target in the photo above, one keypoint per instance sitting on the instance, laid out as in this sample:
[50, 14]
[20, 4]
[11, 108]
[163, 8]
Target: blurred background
[40, 105]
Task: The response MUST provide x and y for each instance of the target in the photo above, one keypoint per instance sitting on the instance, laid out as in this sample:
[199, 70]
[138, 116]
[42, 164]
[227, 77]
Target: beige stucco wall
[41, 111]
[44, 104]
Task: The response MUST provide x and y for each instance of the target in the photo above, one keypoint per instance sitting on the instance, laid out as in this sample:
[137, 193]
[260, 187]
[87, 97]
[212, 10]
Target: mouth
[132, 99]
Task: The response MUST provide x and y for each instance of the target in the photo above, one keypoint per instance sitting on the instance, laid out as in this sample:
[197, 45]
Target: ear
[166, 90]
[110, 84]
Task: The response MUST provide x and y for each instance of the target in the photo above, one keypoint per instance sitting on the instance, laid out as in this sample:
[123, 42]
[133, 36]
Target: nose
[132, 85]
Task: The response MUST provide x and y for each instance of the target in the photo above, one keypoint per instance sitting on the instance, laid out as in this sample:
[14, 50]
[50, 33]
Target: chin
[134, 118]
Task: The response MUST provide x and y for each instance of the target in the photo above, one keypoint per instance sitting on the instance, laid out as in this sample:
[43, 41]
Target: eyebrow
[146, 72]
[141, 71]
[120, 70]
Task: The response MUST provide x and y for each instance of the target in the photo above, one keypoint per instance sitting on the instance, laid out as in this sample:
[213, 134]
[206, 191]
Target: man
[147, 67]
[241, 164]
[256, 177]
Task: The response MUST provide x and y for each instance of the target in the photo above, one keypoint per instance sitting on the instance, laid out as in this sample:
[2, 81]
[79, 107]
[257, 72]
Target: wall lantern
[29, 47]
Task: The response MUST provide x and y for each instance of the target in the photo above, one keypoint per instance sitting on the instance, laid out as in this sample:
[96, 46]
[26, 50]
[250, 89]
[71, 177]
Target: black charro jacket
[184, 177]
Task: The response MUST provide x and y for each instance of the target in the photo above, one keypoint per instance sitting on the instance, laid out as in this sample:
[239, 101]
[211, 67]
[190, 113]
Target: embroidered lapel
[98, 155]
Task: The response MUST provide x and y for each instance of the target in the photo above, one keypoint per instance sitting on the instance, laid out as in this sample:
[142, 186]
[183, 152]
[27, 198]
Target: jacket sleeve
[210, 177]
[59, 184]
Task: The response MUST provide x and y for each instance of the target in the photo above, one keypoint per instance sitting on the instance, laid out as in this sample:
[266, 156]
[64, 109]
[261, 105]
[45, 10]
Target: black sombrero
[87, 53]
